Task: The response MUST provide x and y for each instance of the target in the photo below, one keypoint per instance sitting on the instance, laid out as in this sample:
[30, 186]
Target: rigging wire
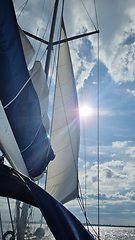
[84, 149]
[1, 227]
[98, 130]
[23, 6]
[69, 134]
[67, 123]
[54, 65]
[84, 208]
[10, 215]
[88, 14]
[98, 140]
[56, 49]
[43, 37]
[81, 204]
[97, 113]
[85, 170]
[80, 199]
[96, 14]
[39, 24]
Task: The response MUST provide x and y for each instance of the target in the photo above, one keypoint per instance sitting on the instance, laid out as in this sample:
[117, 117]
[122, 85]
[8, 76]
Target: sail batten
[62, 174]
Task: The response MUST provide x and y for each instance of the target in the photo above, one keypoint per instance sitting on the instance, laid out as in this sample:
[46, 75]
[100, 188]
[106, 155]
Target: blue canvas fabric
[13, 187]
[63, 224]
[23, 113]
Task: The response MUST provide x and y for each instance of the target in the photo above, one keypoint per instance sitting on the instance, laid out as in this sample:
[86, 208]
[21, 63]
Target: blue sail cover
[23, 112]
[63, 224]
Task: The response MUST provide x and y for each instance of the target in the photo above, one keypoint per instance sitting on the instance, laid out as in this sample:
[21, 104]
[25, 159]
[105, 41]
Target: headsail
[19, 98]
[62, 174]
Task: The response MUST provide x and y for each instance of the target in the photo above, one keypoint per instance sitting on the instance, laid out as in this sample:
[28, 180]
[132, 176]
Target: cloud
[132, 92]
[117, 53]
[120, 144]
[131, 152]
[117, 35]
[109, 173]
[115, 177]
[117, 38]
[131, 195]
[103, 197]
[85, 73]
[106, 112]
[117, 150]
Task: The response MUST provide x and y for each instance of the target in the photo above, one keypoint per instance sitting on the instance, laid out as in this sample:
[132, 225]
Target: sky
[116, 120]
[116, 22]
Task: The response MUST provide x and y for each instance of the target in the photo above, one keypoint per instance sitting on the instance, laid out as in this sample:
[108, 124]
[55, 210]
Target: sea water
[106, 233]
[117, 233]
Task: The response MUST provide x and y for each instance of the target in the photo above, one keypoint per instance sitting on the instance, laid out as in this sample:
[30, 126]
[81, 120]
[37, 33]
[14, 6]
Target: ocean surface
[106, 233]
[117, 233]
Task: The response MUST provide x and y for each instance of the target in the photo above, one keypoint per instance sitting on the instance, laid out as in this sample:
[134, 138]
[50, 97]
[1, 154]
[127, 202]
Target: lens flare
[85, 111]
[48, 135]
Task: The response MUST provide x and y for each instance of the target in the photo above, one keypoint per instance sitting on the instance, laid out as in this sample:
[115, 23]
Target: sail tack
[62, 175]
[19, 97]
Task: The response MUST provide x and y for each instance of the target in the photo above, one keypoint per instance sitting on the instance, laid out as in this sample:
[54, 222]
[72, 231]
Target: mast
[50, 45]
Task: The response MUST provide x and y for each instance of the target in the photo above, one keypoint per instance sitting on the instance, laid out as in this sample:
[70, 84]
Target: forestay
[62, 174]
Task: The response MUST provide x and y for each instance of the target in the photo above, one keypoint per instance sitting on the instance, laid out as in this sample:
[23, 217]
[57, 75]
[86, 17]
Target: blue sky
[117, 102]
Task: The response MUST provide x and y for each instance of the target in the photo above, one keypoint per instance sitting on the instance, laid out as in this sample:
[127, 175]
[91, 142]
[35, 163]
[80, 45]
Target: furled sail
[62, 174]
[19, 98]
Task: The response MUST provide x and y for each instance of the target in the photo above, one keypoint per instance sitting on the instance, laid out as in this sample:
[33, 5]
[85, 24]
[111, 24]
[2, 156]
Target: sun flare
[85, 111]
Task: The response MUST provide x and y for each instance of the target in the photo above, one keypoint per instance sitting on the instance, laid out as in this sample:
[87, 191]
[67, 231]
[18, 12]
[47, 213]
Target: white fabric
[40, 85]
[62, 174]
[8, 144]
[27, 47]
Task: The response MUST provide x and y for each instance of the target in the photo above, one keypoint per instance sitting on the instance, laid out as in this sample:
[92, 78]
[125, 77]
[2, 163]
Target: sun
[85, 111]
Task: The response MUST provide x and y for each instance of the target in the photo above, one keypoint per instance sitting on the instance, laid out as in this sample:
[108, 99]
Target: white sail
[62, 174]
[28, 49]
[9, 145]
[38, 79]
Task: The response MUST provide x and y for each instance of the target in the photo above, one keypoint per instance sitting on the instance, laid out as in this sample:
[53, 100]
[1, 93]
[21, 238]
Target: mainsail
[19, 98]
[62, 174]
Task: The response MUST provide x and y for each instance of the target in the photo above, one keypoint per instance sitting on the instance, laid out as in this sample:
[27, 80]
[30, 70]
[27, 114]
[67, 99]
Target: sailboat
[31, 149]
